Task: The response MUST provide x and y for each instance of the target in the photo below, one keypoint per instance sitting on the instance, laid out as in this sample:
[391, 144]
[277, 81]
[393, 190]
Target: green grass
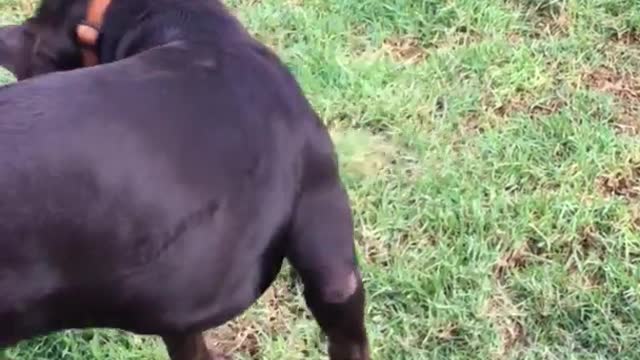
[490, 148]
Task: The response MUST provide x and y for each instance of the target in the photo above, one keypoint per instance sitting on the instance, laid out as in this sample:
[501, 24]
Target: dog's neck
[130, 27]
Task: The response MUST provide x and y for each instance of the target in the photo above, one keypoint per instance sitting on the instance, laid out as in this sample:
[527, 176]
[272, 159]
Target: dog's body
[160, 191]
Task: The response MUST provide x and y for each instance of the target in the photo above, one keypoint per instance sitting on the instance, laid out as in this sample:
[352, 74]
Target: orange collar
[89, 30]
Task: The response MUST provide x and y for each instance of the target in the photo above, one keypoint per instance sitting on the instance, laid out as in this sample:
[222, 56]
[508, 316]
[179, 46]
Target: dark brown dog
[159, 191]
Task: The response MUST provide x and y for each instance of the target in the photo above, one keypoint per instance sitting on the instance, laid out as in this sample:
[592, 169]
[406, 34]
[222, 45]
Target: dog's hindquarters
[321, 249]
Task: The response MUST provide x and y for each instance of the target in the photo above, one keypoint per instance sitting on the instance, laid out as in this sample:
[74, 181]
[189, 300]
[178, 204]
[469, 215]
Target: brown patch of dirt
[406, 50]
[623, 86]
[241, 334]
[517, 258]
[623, 183]
[626, 88]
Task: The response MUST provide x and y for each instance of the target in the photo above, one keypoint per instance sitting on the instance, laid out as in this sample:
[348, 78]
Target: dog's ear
[13, 40]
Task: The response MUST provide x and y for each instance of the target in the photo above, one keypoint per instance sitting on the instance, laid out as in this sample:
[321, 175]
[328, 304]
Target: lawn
[491, 151]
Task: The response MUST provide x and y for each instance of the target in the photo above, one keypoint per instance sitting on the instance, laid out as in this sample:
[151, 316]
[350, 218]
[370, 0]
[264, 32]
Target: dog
[157, 165]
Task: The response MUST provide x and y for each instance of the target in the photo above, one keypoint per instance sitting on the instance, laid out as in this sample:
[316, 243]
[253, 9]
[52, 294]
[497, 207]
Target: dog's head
[55, 38]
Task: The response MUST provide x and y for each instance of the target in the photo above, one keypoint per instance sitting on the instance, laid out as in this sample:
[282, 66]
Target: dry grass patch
[500, 309]
[405, 50]
[505, 317]
[623, 183]
[362, 153]
[513, 105]
[522, 103]
[242, 335]
[374, 250]
[514, 259]
[549, 18]
[625, 88]
[553, 25]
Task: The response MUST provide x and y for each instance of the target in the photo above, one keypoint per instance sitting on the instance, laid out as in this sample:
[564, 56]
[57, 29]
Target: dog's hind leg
[189, 347]
[321, 250]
